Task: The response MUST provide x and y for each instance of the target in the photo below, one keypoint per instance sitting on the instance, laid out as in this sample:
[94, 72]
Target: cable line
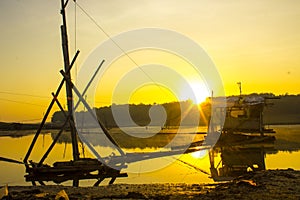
[117, 45]
[22, 94]
[22, 102]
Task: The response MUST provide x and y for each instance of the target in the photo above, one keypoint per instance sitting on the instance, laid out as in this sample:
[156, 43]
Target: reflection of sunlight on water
[173, 172]
[199, 154]
[188, 171]
[283, 160]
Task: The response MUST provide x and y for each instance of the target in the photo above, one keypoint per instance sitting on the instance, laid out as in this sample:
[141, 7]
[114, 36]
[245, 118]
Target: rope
[117, 45]
[193, 166]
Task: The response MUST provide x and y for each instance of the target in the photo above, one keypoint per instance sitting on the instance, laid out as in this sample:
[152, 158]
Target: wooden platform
[72, 170]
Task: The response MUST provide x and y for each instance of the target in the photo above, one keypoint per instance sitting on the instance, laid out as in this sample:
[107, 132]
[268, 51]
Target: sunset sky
[256, 42]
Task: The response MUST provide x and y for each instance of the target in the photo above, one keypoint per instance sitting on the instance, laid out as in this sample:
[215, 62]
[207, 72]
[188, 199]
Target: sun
[199, 89]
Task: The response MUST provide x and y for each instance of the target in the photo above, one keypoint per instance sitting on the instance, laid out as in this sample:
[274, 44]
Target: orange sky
[257, 43]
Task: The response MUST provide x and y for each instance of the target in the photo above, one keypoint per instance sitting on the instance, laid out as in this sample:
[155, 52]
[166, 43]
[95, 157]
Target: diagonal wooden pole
[106, 132]
[48, 112]
[67, 118]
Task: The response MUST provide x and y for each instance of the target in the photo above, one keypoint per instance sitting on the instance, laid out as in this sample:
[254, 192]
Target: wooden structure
[242, 115]
[242, 141]
[78, 168]
[245, 115]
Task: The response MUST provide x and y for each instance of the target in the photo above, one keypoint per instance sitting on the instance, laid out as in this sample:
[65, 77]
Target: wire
[194, 166]
[21, 94]
[117, 45]
[22, 102]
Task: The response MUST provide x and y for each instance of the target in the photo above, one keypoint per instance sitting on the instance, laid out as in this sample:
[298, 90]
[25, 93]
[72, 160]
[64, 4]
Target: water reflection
[224, 162]
[231, 157]
[126, 141]
[228, 162]
[228, 159]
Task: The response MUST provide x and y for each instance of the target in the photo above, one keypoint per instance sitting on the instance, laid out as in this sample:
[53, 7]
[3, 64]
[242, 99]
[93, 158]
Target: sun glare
[161, 77]
[199, 92]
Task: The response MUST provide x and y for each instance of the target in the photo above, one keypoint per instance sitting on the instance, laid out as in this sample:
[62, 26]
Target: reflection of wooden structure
[78, 168]
[236, 161]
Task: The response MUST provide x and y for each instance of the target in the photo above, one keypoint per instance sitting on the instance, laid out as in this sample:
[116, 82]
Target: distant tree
[58, 117]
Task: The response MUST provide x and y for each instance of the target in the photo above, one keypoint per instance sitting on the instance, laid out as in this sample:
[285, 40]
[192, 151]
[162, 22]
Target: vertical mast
[69, 94]
[240, 87]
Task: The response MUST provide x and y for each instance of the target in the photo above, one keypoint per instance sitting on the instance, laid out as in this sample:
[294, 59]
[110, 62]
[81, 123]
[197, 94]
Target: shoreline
[269, 184]
[15, 126]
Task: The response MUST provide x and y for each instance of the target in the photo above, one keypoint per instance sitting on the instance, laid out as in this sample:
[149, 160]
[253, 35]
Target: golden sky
[256, 42]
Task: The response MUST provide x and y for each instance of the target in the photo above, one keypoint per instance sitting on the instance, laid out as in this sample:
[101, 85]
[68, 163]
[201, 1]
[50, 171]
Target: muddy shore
[270, 184]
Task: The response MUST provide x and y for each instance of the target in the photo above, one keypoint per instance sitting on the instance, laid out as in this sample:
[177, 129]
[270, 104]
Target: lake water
[190, 168]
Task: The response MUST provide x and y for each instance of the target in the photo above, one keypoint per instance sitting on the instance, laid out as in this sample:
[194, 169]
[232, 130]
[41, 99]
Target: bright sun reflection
[199, 154]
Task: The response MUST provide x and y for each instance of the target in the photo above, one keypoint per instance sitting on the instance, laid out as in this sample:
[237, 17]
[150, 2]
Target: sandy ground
[271, 184]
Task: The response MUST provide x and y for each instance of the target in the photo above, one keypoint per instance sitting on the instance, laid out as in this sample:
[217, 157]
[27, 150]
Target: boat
[243, 140]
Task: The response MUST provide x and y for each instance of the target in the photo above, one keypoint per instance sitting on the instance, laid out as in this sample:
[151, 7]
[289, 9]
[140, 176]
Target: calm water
[192, 168]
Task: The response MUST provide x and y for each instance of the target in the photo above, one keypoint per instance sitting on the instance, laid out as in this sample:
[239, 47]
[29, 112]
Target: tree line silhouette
[177, 113]
[284, 110]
